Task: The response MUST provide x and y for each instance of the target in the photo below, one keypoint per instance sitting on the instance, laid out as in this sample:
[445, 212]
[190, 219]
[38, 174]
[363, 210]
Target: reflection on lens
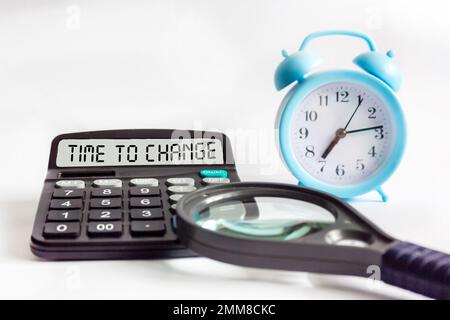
[265, 218]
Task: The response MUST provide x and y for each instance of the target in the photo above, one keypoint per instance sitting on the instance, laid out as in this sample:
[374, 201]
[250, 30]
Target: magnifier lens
[271, 218]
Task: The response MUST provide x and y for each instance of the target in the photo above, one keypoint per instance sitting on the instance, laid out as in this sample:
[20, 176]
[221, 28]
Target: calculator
[113, 194]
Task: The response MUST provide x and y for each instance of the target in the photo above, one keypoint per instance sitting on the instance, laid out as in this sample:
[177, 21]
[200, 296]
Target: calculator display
[138, 152]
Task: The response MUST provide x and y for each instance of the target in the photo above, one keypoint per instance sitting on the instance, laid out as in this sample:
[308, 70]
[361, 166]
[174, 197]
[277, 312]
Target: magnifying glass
[281, 226]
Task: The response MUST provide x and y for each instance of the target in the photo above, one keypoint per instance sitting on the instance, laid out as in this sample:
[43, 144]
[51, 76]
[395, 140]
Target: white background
[88, 65]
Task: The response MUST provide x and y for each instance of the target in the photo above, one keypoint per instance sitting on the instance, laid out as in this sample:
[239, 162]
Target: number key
[144, 191]
[146, 214]
[68, 193]
[145, 202]
[106, 192]
[60, 215]
[62, 230]
[66, 204]
[98, 215]
[106, 203]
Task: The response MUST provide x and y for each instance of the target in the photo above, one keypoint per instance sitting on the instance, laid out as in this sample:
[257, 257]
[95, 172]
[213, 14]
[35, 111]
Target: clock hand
[360, 101]
[340, 134]
[364, 129]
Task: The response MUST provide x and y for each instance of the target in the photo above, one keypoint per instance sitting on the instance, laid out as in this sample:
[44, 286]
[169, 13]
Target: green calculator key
[213, 173]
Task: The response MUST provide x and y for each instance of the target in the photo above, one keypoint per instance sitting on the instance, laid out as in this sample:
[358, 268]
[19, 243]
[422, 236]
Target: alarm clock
[340, 131]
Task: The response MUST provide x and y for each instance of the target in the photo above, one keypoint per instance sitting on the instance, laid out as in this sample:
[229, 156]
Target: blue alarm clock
[341, 131]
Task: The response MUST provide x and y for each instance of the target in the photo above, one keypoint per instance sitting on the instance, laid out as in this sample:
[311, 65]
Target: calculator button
[105, 229]
[180, 182]
[144, 191]
[146, 214]
[61, 215]
[99, 215]
[106, 192]
[213, 173]
[145, 202]
[151, 182]
[175, 198]
[113, 183]
[68, 193]
[76, 184]
[66, 204]
[106, 203]
[147, 228]
[181, 189]
[62, 230]
[211, 181]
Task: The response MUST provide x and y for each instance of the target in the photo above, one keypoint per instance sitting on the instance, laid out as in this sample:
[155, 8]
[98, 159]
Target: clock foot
[384, 196]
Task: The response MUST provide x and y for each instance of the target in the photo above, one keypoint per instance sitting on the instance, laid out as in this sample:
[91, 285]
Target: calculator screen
[138, 152]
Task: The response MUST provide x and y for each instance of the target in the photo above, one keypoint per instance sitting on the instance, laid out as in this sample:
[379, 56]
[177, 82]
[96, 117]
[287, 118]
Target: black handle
[417, 269]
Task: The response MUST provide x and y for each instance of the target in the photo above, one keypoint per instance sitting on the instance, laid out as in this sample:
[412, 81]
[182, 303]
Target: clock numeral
[310, 152]
[323, 163]
[311, 115]
[360, 165]
[380, 133]
[323, 100]
[340, 170]
[372, 112]
[342, 96]
[304, 133]
[372, 152]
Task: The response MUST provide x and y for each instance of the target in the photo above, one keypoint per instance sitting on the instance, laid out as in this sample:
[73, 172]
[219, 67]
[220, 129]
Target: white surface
[203, 64]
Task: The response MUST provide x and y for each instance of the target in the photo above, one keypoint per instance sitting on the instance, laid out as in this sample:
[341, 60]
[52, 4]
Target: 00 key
[105, 229]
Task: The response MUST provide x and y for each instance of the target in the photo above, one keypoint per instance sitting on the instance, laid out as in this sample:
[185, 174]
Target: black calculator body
[113, 194]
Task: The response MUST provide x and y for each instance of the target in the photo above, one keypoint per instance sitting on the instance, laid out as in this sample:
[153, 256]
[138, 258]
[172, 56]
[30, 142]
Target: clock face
[342, 133]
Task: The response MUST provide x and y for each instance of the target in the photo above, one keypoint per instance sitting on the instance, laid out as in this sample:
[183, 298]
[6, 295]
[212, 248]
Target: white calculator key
[175, 198]
[181, 189]
[114, 183]
[181, 181]
[76, 184]
[210, 181]
[144, 182]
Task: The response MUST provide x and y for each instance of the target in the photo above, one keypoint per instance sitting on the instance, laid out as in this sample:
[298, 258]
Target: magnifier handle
[417, 269]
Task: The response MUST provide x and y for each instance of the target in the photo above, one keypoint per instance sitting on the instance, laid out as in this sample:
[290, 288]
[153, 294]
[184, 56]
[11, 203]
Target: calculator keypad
[110, 208]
